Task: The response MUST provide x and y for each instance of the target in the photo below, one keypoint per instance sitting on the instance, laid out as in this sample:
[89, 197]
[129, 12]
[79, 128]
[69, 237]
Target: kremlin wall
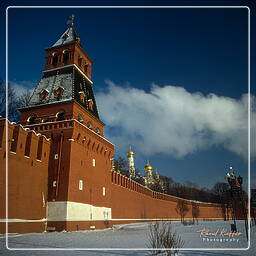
[29, 202]
[60, 165]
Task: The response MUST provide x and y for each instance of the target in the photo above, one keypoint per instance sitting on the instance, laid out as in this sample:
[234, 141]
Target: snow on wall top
[50, 85]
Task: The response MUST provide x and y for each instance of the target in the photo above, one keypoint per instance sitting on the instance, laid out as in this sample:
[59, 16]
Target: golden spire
[130, 152]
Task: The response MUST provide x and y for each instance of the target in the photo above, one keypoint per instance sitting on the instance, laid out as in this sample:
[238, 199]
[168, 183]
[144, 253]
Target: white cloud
[22, 86]
[173, 121]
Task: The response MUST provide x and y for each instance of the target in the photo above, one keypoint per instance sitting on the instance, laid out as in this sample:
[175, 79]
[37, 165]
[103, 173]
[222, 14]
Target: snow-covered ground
[129, 237]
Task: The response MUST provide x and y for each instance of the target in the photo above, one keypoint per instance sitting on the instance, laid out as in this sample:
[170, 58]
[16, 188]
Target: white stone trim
[22, 220]
[73, 211]
[70, 65]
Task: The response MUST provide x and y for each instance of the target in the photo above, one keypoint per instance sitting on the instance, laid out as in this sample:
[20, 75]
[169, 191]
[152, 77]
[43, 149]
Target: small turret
[130, 155]
[157, 175]
[148, 169]
[148, 177]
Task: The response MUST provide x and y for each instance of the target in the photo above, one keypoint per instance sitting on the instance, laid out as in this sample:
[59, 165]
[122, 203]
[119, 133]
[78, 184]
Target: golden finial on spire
[130, 152]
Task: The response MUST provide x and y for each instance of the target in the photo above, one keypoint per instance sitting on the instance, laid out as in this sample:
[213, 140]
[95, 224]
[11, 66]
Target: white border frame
[249, 117]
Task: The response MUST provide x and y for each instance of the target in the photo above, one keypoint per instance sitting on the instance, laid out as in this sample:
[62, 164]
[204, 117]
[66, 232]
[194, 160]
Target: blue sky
[200, 50]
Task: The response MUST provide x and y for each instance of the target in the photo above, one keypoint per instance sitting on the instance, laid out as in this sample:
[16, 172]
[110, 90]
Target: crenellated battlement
[23, 142]
[125, 182]
[25, 154]
[80, 133]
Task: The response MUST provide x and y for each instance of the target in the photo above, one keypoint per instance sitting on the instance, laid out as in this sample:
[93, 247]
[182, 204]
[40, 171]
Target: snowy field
[130, 237]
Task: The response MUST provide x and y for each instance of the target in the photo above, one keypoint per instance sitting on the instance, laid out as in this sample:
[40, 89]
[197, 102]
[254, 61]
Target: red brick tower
[63, 108]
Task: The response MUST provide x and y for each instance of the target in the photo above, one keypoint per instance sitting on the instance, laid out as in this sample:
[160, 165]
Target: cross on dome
[69, 35]
[71, 20]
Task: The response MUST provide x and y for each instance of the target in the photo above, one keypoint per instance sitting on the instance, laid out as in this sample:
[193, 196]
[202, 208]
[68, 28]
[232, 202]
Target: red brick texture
[82, 155]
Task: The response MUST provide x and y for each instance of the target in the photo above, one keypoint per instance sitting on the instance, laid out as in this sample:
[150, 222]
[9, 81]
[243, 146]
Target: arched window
[98, 130]
[82, 96]
[86, 64]
[80, 118]
[43, 94]
[65, 56]
[60, 116]
[45, 120]
[80, 58]
[90, 104]
[89, 124]
[55, 58]
[58, 92]
[31, 120]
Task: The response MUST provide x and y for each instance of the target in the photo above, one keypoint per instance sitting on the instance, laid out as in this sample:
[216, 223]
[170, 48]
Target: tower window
[89, 124]
[98, 130]
[65, 56]
[80, 58]
[55, 58]
[31, 120]
[43, 94]
[65, 37]
[90, 104]
[82, 96]
[81, 185]
[80, 118]
[58, 92]
[45, 120]
[60, 116]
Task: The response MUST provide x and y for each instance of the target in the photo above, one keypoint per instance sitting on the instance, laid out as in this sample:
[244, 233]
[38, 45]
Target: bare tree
[158, 184]
[162, 239]
[181, 209]
[121, 165]
[220, 189]
[190, 184]
[195, 212]
[168, 181]
[23, 100]
[12, 104]
[2, 98]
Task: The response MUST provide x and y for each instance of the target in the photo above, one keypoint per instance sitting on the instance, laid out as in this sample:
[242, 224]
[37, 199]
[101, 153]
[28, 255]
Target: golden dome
[130, 153]
[148, 167]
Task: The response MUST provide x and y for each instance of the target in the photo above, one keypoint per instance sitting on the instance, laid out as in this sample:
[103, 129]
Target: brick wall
[28, 158]
[132, 201]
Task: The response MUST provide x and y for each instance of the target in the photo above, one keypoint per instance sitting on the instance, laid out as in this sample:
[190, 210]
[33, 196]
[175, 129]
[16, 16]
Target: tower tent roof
[62, 87]
[69, 36]
[51, 84]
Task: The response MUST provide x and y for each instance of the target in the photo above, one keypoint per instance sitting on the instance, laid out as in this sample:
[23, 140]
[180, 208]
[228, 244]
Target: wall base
[23, 227]
[77, 225]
